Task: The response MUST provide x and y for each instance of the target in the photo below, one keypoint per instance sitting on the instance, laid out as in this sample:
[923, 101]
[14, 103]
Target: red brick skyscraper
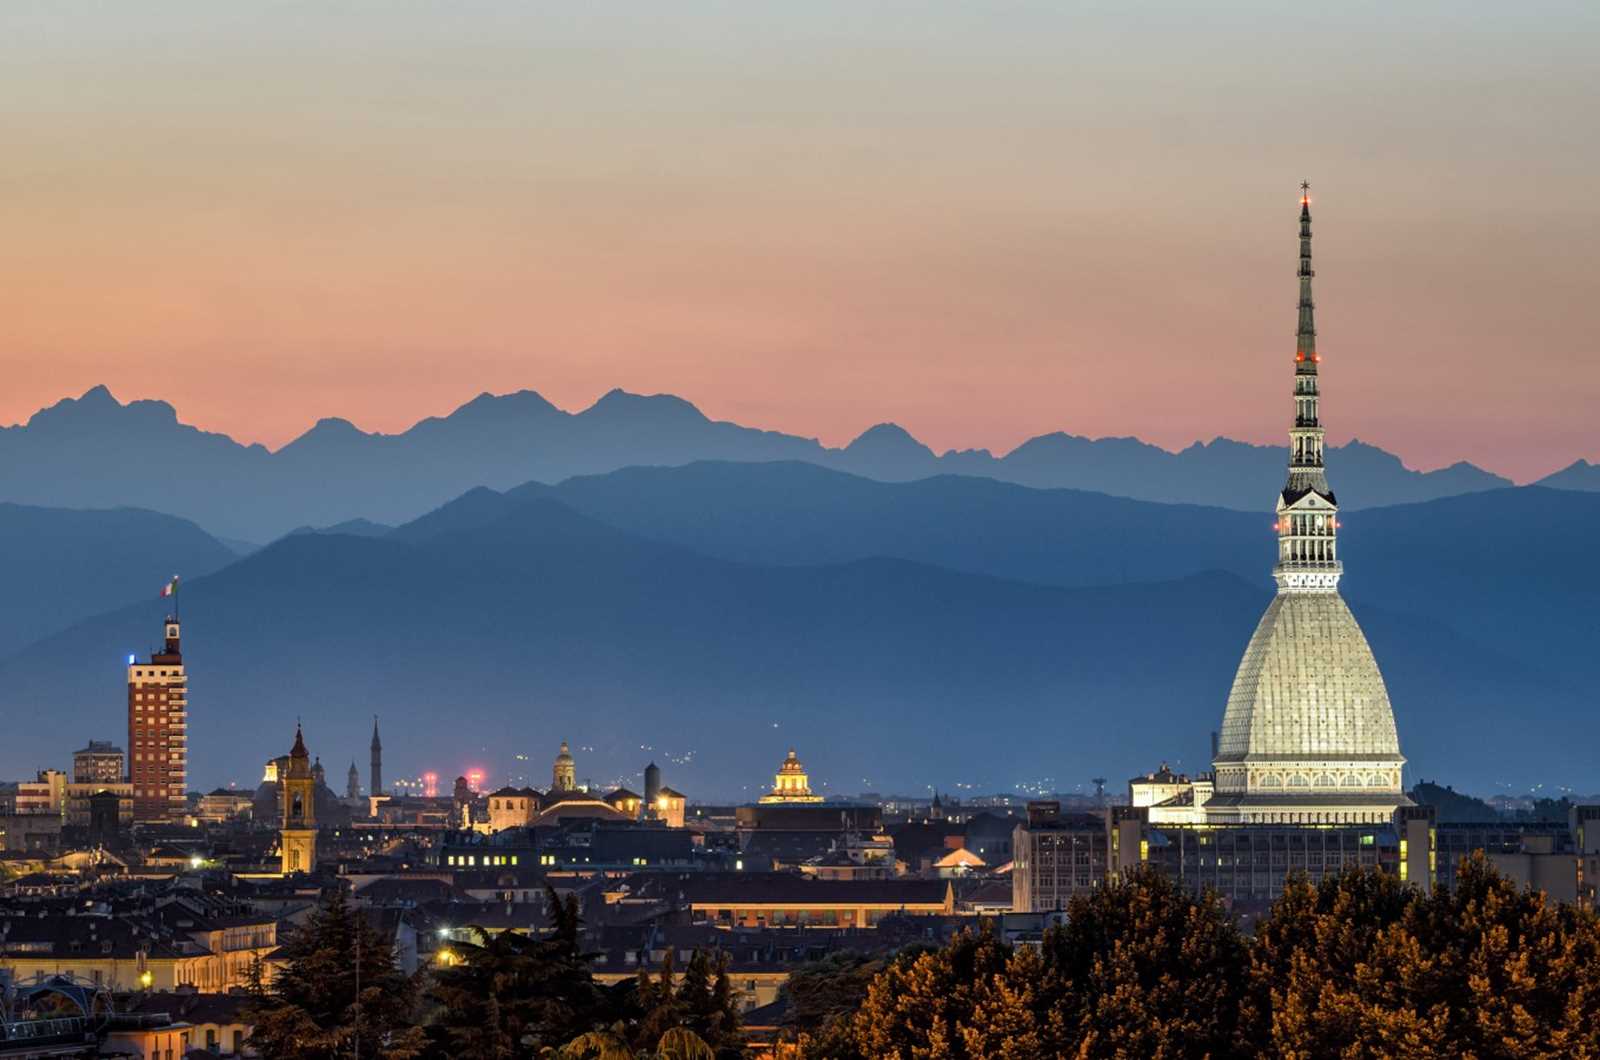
[158, 732]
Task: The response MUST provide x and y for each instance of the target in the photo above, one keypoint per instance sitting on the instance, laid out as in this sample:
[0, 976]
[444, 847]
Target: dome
[1308, 736]
[1308, 687]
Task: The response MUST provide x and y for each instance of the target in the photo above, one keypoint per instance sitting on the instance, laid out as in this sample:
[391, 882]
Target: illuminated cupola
[564, 775]
[791, 784]
[1308, 736]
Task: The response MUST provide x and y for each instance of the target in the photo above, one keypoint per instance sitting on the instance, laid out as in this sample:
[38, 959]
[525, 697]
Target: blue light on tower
[130, 658]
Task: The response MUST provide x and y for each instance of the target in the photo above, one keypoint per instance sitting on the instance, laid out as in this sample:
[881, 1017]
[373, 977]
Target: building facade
[99, 763]
[1308, 736]
[158, 732]
[512, 807]
[80, 802]
[45, 795]
[1062, 855]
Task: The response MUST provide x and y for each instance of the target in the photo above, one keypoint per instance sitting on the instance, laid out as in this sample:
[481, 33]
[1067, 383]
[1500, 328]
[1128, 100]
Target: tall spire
[375, 778]
[1307, 509]
[1306, 335]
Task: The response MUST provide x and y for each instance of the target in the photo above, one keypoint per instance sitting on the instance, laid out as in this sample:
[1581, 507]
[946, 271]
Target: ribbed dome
[1308, 687]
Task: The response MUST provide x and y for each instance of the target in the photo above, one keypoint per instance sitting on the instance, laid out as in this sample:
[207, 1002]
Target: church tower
[297, 838]
[376, 777]
[1308, 736]
[352, 782]
[564, 777]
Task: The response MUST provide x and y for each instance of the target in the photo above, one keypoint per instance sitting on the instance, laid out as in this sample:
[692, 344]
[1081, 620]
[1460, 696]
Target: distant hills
[710, 616]
[59, 566]
[1578, 475]
[1510, 568]
[95, 452]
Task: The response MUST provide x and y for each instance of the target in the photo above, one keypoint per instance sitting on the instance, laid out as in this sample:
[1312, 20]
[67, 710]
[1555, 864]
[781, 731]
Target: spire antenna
[1307, 511]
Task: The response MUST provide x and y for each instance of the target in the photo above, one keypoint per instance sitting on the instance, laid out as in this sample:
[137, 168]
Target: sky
[983, 221]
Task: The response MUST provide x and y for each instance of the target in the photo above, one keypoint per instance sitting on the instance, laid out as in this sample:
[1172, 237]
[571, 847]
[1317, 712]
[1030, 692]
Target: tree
[701, 1002]
[1450, 805]
[1144, 968]
[822, 1000]
[1012, 1018]
[1358, 966]
[611, 1043]
[1310, 953]
[509, 995]
[917, 1007]
[314, 1009]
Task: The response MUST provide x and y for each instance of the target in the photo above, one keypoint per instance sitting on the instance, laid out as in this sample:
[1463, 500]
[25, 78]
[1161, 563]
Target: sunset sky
[983, 221]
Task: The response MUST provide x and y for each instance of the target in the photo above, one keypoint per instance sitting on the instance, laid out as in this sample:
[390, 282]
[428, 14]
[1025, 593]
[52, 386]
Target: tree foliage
[701, 1001]
[338, 992]
[1360, 966]
[1364, 966]
[510, 995]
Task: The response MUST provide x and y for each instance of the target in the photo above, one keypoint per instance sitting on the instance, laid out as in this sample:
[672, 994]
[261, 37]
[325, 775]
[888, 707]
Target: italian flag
[171, 587]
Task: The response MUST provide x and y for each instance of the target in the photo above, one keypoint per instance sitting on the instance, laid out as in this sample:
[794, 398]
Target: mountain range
[96, 452]
[948, 630]
[61, 565]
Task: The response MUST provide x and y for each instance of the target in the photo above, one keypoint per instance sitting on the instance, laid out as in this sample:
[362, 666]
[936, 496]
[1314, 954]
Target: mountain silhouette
[1578, 475]
[61, 565]
[1512, 567]
[796, 513]
[96, 452]
[502, 623]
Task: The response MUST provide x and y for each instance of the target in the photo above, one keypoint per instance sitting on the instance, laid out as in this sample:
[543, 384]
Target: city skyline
[809, 525]
[970, 223]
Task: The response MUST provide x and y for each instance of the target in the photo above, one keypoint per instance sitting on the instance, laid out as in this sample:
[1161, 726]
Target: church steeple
[375, 778]
[297, 829]
[1307, 509]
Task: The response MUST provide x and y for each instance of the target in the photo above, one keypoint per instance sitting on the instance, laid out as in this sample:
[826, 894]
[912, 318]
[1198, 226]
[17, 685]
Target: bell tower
[297, 838]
